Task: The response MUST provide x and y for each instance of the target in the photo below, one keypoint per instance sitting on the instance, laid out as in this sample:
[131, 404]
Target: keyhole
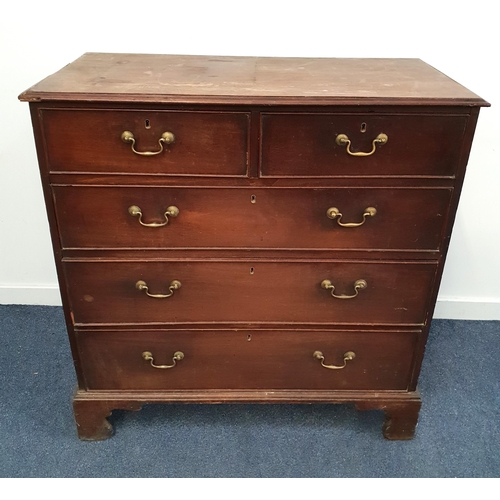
[253, 199]
[363, 127]
[249, 337]
[147, 124]
[251, 270]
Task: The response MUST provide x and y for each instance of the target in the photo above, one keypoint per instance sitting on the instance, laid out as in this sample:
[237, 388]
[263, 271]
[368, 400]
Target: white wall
[459, 38]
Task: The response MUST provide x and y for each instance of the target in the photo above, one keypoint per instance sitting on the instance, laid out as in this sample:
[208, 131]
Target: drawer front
[205, 143]
[304, 145]
[99, 217]
[255, 292]
[246, 360]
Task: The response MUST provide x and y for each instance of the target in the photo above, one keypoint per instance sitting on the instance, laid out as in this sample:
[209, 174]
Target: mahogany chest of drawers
[237, 229]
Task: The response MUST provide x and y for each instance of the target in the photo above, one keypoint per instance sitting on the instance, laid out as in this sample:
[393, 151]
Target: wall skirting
[467, 308]
[45, 295]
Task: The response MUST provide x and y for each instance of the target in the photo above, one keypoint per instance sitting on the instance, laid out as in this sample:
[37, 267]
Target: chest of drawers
[249, 230]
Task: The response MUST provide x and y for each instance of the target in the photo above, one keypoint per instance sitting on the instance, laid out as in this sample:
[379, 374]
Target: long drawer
[246, 360]
[308, 145]
[201, 143]
[249, 292]
[341, 218]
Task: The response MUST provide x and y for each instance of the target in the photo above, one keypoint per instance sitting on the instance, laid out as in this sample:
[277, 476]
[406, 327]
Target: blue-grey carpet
[458, 434]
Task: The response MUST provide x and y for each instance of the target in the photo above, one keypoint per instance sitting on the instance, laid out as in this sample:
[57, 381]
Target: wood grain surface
[249, 359]
[249, 292]
[256, 80]
[268, 218]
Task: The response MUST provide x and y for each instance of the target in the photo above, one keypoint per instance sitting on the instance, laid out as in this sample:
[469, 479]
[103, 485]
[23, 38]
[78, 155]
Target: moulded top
[250, 80]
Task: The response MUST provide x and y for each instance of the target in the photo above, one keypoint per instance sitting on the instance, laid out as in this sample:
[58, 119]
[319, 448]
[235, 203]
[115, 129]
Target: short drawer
[249, 292]
[305, 145]
[204, 143]
[344, 218]
[246, 360]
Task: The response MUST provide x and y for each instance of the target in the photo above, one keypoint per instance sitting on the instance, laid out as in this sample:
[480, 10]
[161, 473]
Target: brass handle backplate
[174, 285]
[334, 213]
[358, 285]
[147, 356]
[166, 138]
[171, 211]
[348, 356]
[343, 140]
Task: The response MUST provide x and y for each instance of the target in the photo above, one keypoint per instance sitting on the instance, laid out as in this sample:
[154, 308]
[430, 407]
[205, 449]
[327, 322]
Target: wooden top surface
[251, 80]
